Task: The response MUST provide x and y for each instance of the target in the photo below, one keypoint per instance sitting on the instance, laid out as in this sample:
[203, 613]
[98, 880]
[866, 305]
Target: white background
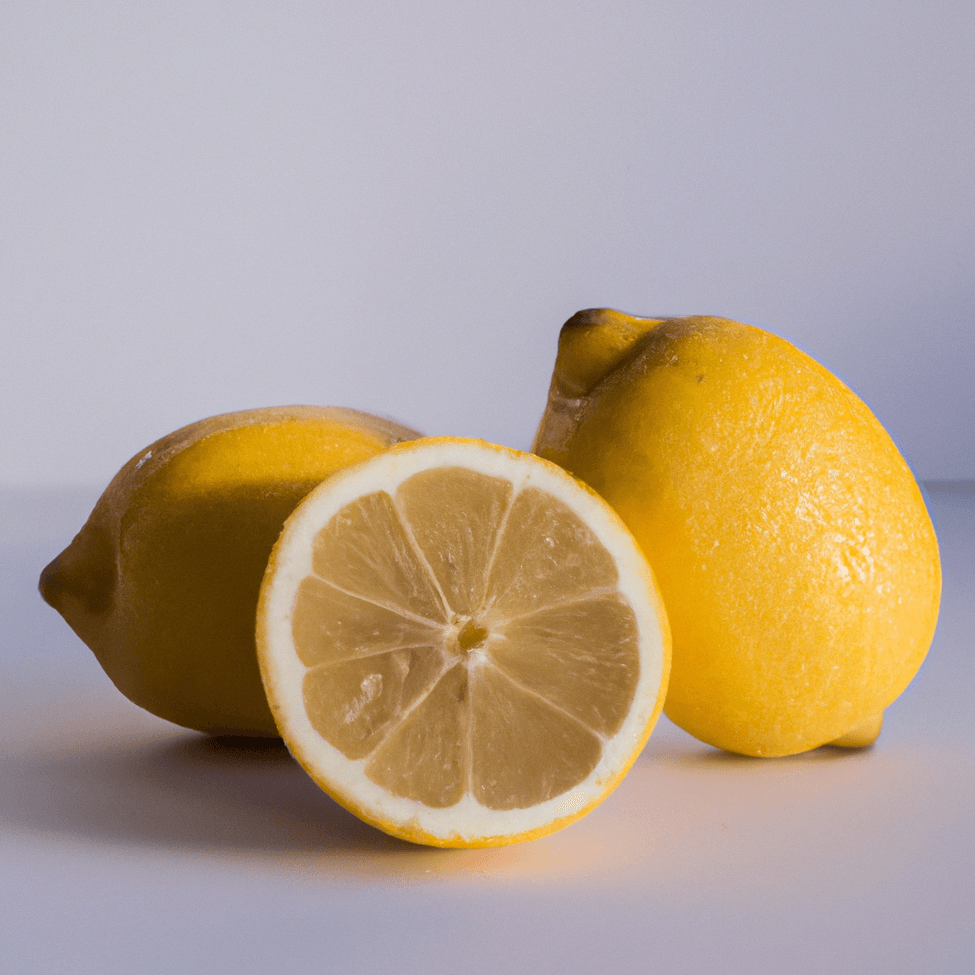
[209, 205]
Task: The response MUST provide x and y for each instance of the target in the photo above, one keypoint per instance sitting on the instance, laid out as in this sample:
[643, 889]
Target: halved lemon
[461, 644]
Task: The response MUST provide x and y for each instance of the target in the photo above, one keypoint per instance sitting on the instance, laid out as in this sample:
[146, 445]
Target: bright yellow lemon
[162, 580]
[794, 551]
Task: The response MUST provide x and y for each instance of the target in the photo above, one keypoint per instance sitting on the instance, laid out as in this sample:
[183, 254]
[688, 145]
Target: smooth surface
[129, 845]
[211, 205]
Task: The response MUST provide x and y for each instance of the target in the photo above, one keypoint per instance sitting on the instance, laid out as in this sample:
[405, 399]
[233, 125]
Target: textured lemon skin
[412, 832]
[162, 580]
[796, 557]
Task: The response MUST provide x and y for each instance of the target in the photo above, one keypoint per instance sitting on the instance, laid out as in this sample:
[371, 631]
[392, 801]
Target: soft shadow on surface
[705, 757]
[189, 791]
[678, 749]
[685, 811]
[230, 797]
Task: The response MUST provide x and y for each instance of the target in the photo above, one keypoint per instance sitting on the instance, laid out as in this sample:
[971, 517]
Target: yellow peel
[162, 580]
[792, 545]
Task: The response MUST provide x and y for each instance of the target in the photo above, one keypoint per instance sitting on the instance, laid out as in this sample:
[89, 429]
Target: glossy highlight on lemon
[162, 580]
[791, 542]
[461, 644]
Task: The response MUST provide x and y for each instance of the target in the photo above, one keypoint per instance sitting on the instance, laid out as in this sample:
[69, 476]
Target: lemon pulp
[461, 639]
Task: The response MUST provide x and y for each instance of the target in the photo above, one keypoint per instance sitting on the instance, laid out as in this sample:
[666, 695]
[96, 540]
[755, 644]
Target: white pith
[284, 672]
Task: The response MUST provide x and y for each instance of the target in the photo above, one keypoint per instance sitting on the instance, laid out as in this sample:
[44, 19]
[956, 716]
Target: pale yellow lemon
[793, 548]
[461, 644]
[162, 580]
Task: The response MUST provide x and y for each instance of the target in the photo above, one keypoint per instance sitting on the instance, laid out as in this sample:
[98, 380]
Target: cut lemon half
[461, 644]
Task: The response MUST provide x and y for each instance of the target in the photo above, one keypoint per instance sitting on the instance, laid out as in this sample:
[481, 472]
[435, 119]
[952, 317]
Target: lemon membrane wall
[454, 641]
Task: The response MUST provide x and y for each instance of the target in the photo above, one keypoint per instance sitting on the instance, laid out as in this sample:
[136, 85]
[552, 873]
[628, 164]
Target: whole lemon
[162, 581]
[796, 557]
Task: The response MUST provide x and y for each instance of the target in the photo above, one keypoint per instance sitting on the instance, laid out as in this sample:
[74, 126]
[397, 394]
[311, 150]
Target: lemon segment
[453, 636]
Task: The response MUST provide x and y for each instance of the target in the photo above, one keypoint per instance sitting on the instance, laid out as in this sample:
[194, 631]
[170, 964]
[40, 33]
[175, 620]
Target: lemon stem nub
[862, 736]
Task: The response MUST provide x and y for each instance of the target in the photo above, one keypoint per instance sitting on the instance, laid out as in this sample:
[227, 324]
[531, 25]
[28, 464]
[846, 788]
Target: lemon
[461, 644]
[792, 545]
[162, 580]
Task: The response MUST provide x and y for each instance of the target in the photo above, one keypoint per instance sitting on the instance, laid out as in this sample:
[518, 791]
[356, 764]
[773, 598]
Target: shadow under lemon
[237, 798]
[247, 799]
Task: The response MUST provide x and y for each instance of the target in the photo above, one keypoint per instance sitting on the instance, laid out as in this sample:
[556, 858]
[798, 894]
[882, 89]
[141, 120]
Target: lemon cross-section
[455, 639]
[450, 639]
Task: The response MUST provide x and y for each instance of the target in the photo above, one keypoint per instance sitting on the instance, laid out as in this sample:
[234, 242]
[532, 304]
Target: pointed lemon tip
[82, 576]
[49, 583]
[862, 736]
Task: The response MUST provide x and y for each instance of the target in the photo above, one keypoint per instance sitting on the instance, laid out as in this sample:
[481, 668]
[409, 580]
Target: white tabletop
[130, 845]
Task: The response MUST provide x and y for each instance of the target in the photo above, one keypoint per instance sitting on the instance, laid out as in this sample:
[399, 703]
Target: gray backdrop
[209, 205]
